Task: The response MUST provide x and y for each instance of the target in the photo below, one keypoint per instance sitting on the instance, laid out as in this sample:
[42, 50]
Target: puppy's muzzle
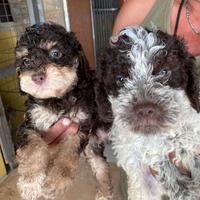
[148, 117]
[147, 110]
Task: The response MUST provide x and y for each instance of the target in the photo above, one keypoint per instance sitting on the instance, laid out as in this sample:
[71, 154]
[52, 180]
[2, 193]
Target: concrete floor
[83, 189]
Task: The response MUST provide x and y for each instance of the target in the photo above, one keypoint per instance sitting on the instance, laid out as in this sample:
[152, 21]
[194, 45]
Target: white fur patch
[144, 47]
[78, 116]
[43, 118]
[31, 190]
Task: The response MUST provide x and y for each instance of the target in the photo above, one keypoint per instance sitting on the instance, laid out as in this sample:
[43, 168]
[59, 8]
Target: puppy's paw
[32, 160]
[57, 183]
[62, 171]
[30, 188]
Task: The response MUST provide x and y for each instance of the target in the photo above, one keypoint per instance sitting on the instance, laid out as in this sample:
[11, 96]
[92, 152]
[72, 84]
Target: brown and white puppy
[151, 103]
[54, 73]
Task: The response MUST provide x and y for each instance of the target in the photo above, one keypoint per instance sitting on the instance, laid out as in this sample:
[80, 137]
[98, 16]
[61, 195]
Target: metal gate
[104, 13]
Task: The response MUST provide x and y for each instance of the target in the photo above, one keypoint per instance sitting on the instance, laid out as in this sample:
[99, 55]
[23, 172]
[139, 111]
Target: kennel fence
[104, 13]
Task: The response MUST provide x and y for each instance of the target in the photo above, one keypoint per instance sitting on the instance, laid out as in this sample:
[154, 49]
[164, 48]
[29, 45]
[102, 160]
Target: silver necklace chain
[189, 18]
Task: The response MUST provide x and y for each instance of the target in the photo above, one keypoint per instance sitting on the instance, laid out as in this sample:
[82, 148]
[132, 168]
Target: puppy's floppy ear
[81, 60]
[101, 97]
[73, 42]
[83, 65]
[191, 72]
[103, 104]
[193, 90]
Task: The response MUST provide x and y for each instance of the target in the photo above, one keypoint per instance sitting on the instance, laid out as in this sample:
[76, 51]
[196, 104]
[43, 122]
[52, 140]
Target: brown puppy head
[47, 61]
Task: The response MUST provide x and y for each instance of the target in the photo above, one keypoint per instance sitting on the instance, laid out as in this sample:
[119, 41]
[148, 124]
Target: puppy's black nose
[39, 78]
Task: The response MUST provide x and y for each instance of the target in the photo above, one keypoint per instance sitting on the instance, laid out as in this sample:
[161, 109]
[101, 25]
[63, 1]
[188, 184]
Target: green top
[159, 16]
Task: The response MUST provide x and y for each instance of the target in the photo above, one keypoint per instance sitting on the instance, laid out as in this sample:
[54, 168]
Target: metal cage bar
[104, 13]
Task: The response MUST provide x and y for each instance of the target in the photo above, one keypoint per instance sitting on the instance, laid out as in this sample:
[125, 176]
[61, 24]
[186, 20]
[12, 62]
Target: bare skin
[132, 13]
[61, 128]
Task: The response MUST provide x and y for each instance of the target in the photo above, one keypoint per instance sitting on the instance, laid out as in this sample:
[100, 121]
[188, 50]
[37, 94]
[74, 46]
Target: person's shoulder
[132, 12]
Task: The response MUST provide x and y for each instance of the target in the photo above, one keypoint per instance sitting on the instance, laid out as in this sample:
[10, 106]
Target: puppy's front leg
[63, 167]
[32, 159]
[100, 169]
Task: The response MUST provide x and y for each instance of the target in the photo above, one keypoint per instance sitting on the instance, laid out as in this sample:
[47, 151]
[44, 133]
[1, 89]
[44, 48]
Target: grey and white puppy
[151, 88]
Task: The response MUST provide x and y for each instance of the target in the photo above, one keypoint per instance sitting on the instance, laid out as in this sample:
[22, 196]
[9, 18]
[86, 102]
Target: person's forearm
[132, 13]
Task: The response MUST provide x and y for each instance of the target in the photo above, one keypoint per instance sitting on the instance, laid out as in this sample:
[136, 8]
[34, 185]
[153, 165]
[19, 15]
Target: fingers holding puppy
[59, 130]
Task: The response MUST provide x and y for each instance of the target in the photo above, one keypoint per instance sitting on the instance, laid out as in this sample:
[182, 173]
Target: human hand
[178, 164]
[59, 130]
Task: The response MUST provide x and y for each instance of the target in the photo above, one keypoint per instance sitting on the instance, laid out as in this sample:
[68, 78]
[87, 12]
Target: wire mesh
[5, 13]
[104, 13]
[13, 20]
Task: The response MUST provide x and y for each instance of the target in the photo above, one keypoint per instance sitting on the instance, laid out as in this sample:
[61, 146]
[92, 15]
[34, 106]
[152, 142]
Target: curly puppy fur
[151, 101]
[54, 74]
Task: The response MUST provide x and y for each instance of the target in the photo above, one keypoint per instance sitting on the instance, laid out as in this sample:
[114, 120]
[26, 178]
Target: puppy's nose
[39, 78]
[148, 110]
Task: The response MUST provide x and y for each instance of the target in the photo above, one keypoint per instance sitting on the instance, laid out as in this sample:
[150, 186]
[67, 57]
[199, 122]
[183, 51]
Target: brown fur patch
[47, 44]
[36, 149]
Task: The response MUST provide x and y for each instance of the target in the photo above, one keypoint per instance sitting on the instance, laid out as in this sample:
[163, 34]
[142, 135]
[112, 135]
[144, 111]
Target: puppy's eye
[163, 75]
[163, 72]
[55, 53]
[120, 80]
[26, 62]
